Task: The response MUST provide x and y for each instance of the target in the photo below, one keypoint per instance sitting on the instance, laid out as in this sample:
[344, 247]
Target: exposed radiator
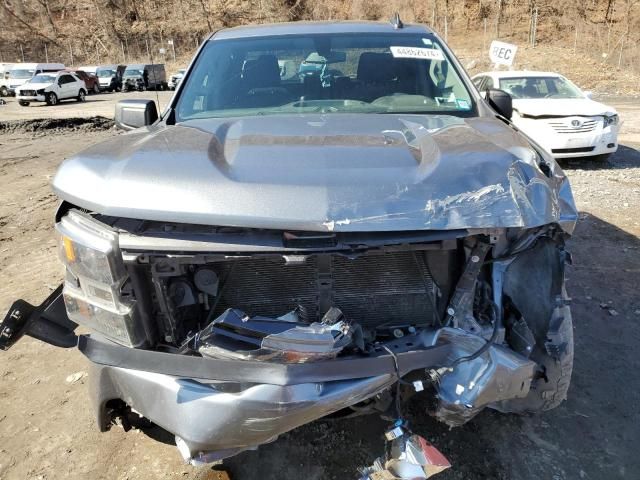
[390, 288]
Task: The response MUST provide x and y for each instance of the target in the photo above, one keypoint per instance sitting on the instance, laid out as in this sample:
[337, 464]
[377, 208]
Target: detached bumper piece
[47, 322]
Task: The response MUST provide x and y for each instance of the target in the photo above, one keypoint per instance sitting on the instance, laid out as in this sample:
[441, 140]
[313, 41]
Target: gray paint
[247, 415]
[336, 172]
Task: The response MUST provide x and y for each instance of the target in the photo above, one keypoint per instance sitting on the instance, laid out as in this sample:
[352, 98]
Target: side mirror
[500, 101]
[132, 114]
[588, 94]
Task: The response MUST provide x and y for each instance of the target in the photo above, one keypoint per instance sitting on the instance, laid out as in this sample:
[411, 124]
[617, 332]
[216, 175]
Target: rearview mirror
[500, 101]
[132, 114]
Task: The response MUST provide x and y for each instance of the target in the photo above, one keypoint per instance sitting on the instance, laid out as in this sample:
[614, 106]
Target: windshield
[132, 72]
[349, 73]
[43, 78]
[21, 74]
[106, 73]
[540, 87]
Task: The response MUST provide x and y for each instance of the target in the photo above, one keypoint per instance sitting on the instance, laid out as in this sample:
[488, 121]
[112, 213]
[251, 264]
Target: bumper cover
[32, 98]
[209, 419]
[218, 408]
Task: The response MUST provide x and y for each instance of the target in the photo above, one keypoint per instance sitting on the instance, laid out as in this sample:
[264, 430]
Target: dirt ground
[47, 430]
[102, 104]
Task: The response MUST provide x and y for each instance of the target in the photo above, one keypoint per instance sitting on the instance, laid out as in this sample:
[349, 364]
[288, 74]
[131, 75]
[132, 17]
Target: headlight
[610, 120]
[94, 278]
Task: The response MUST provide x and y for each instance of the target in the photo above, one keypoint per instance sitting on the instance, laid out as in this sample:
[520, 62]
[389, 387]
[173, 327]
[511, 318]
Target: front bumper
[218, 408]
[601, 140]
[223, 419]
[31, 98]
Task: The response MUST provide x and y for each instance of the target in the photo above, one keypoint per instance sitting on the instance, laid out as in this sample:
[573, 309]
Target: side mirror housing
[132, 114]
[500, 101]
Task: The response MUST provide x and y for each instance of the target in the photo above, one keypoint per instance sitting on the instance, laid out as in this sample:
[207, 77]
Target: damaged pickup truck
[281, 245]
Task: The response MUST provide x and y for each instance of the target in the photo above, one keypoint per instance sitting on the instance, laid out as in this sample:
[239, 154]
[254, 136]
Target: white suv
[51, 88]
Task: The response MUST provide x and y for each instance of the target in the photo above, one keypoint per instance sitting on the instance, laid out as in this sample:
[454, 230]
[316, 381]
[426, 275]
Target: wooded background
[78, 32]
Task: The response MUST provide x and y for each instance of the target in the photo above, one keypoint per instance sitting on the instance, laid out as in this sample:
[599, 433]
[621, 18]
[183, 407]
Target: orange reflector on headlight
[68, 249]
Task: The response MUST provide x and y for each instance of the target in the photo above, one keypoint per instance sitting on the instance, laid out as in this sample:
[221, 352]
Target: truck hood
[338, 172]
[537, 107]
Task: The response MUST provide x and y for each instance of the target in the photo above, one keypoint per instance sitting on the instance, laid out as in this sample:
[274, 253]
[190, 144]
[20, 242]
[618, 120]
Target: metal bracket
[461, 303]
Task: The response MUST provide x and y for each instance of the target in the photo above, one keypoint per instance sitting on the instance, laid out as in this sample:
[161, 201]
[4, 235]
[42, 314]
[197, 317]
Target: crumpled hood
[339, 172]
[561, 107]
[34, 86]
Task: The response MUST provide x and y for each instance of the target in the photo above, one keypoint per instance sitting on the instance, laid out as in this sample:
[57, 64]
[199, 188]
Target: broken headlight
[610, 120]
[95, 274]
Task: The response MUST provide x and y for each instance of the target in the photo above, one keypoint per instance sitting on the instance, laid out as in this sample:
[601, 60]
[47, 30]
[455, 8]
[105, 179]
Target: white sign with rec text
[502, 53]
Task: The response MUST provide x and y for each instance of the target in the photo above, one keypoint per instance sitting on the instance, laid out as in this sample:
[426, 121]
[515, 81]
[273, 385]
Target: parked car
[21, 73]
[554, 112]
[174, 81]
[52, 88]
[273, 249]
[144, 77]
[110, 77]
[89, 68]
[90, 80]
[4, 78]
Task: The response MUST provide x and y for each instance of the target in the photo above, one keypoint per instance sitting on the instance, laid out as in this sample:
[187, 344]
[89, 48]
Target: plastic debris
[410, 457]
[76, 377]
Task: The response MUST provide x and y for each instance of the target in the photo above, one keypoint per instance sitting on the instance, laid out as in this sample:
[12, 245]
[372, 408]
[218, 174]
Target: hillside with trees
[602, 35]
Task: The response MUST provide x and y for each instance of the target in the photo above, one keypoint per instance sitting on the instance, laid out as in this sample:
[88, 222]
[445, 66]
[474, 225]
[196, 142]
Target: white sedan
[51, 88]
[556, 114]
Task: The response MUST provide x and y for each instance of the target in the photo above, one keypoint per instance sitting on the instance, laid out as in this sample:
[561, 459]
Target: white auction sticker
[417, 52]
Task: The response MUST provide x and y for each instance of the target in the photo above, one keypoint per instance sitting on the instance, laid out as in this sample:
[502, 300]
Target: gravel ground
[47, 430]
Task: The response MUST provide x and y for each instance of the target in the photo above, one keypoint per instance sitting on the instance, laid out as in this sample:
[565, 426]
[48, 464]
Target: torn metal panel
[350, 174]
[497, 374]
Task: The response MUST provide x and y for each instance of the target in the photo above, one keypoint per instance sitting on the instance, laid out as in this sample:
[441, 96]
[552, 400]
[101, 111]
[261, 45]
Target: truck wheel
[23, 103]
[3, 91]
[601, 158]
[96, 88]
[550, 390]
[82, 95]
[52, 98]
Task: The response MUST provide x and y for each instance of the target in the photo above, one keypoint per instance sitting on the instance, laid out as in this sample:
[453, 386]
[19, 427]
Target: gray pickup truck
[274, 247]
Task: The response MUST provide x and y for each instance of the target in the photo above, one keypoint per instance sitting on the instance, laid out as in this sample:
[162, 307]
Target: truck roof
[313, 28]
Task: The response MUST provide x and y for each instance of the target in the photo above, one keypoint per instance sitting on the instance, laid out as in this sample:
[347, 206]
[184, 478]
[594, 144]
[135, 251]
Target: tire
[4, 92]
[52, 99]
[550, 390]
[82, 95]
[23, 103]
[96, 88]
[601, 158]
